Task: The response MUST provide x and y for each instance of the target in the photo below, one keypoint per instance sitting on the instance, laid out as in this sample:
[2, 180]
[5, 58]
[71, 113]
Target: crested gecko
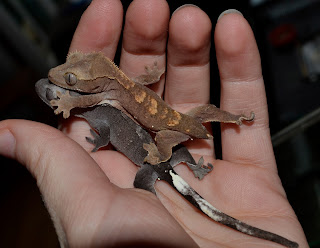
[103, 81]
[128, 137]
[110, 125]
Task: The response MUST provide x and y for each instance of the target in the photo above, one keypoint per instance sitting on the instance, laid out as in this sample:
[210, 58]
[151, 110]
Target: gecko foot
[153, 74]
[153, 156]
[245, 118]
[199, 169]
[98, 140]
[62, 104]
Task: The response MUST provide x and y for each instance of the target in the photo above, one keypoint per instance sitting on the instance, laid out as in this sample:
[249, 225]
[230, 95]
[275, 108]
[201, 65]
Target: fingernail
[7, 143]
[185, 5]
[229, 11]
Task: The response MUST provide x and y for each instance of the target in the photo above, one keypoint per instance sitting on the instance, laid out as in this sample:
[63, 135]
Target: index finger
[99, 28]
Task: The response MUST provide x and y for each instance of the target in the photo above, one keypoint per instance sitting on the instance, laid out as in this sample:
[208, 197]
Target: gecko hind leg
[99, 140]
[210, 113]
[166, 140]
[182, 155]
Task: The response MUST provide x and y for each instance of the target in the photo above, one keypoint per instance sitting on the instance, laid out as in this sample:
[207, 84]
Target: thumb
[85, 206]
[64, 171]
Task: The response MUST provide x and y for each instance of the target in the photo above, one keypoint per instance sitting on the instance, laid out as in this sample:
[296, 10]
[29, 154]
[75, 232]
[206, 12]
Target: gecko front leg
[66, 102]
[200, 169]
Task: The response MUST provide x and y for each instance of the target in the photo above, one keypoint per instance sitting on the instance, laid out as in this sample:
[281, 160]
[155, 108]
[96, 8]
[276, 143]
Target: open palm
[92, 202]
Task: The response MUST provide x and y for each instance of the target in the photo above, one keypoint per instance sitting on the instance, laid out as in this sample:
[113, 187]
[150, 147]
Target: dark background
[35, 36]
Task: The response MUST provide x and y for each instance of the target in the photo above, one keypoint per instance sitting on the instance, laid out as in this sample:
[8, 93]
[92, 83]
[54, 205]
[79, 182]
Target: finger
[99, 28]
[188, 72]
[145, 37]
[61, 167]
[188, 68]
[78, 194]
[242, 91]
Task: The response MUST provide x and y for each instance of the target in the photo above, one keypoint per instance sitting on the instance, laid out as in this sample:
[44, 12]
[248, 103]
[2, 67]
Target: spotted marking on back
[175, 120]
[140, 96]
[164, 114]
[153, 106]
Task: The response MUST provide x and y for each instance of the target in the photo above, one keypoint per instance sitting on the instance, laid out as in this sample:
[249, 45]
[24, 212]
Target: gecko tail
[195, 199]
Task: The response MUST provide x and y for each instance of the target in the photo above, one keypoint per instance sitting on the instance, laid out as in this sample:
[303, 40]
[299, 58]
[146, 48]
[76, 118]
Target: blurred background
[35, 36]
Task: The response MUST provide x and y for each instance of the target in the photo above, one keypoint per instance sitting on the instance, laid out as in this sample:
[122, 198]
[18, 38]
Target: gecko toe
[209, 166]
[66, 114]
[57, 111]
[252, 116]
[59, 94]
[200, 162]
[91, 141]
[53, 103]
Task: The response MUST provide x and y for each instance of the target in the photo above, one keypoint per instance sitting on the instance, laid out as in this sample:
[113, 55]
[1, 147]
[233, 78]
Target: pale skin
[90, 195]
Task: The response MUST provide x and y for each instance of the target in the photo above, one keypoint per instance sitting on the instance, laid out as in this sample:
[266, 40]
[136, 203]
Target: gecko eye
[70, 78]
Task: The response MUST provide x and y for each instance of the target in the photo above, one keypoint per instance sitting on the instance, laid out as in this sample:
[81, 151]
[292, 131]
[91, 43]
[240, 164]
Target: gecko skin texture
[128, 137]
[102, 81]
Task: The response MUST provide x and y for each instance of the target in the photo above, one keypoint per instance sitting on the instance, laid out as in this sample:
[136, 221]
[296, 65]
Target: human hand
[92, 202]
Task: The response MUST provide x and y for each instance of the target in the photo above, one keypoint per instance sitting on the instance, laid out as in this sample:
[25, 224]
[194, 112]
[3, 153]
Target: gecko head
[81, 72]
